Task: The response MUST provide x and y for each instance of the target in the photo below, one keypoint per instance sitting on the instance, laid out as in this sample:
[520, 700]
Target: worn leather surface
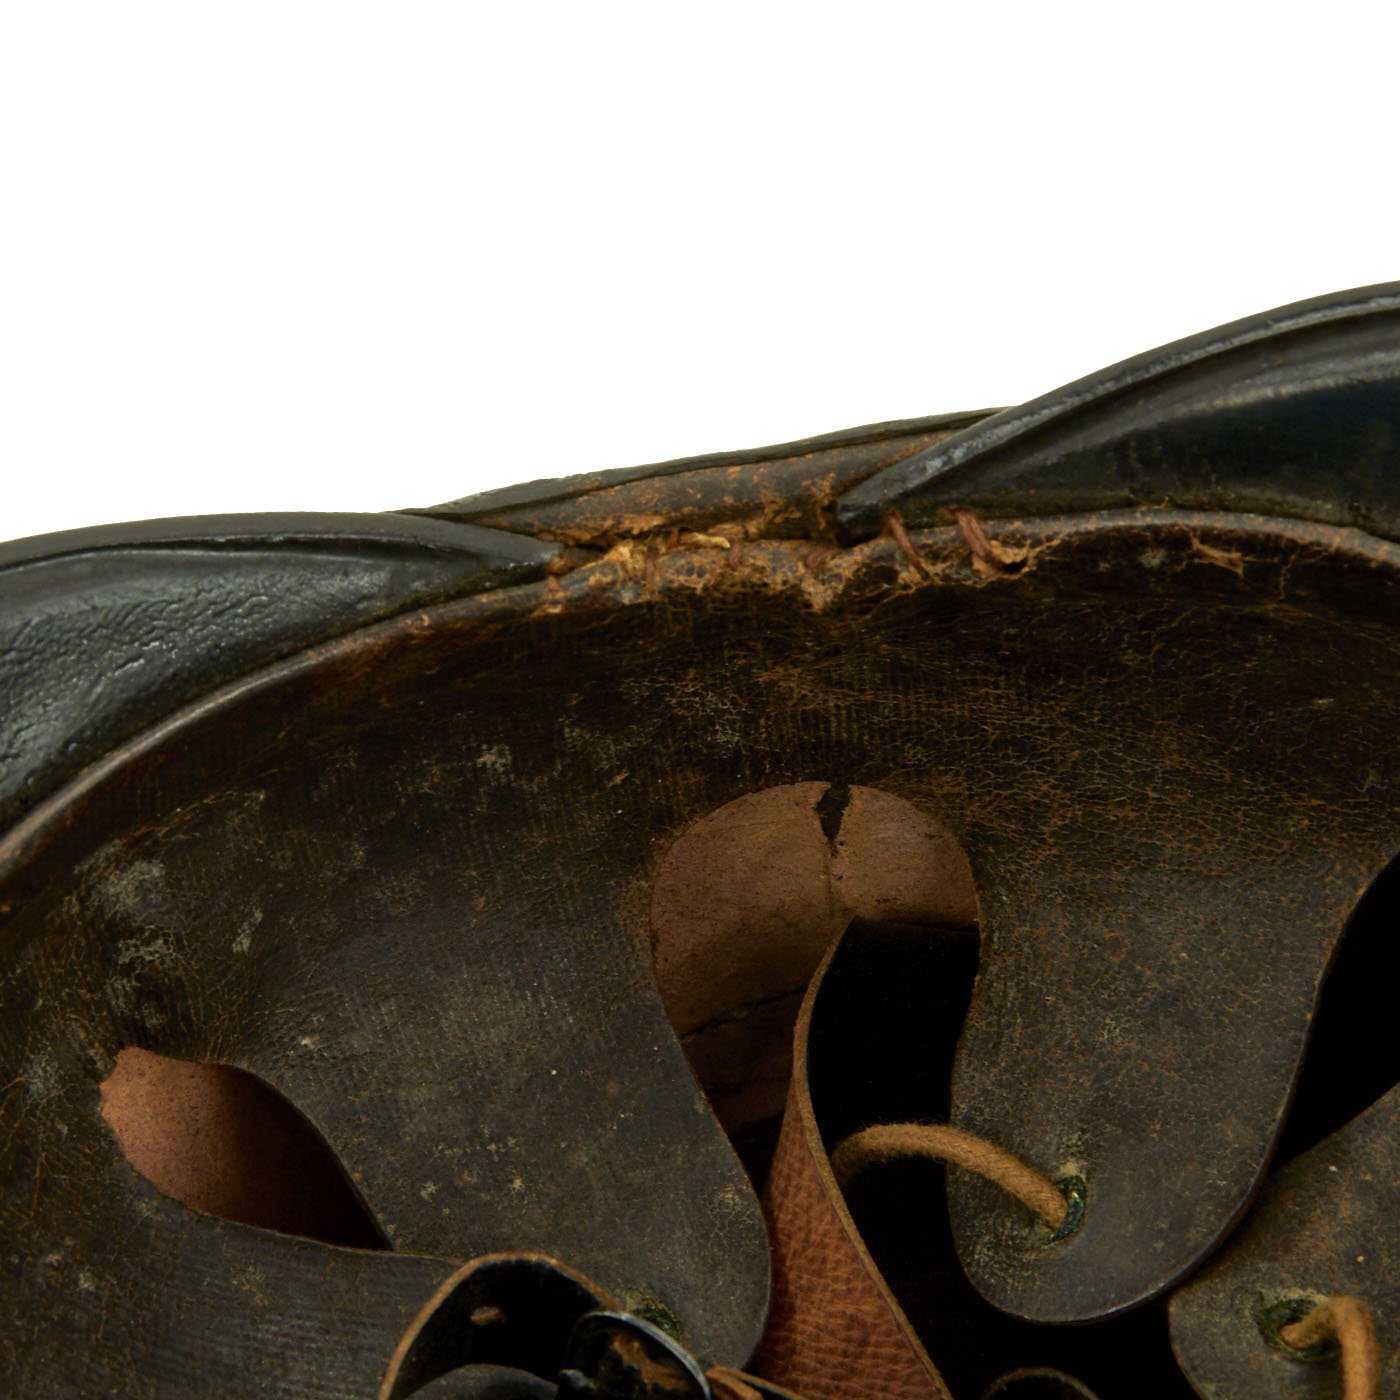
[358, 945]
[881, 1042]
[1295, 412]
[378, 880]
[1325, 1225]
[104, 631]
[783, 492]
[133, 1295]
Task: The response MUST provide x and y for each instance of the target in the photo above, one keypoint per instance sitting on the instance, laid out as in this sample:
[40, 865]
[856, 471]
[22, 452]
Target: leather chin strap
[835, 1331]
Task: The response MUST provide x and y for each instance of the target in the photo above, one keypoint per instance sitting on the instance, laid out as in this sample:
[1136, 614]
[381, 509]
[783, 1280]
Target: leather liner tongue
[1325, 1226]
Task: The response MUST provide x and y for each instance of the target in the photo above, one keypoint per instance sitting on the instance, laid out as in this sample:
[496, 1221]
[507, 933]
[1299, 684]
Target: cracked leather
[104, 631]
[403, 876]
[1211, 738]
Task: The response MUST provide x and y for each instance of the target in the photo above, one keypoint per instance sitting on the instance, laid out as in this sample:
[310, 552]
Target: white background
[357, 257]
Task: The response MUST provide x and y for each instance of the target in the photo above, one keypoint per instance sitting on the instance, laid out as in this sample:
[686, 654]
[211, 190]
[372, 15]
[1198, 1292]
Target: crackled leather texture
[104, 631]
[344, 900]
[405, 876]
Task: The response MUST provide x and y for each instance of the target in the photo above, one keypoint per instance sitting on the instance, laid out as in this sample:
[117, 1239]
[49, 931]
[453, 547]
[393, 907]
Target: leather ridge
[104, 631]
[1294, 413]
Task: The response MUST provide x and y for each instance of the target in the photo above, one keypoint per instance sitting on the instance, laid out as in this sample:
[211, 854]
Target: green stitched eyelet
[1278, 1315]
[659, 1315]
[1075, 1194]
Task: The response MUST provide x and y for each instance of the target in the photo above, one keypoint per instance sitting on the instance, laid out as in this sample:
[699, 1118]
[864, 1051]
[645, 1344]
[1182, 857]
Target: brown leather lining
[748, 900]
[224, 1142]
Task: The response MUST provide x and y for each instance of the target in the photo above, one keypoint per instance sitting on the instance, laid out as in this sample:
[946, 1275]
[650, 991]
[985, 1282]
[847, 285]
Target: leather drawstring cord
[889, 1141]
[1348, 1322]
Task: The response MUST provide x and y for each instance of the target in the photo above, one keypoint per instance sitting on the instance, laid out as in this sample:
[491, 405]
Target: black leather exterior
[1293, 413]
[102, 632]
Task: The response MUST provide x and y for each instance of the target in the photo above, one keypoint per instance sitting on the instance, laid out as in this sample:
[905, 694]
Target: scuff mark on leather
[1203, 553]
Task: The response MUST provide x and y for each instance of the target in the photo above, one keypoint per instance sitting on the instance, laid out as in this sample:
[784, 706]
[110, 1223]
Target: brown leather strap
[835, 1331]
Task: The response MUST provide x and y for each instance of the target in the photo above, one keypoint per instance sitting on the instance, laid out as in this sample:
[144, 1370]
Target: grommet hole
[1279, 1315]
[1075, 1193]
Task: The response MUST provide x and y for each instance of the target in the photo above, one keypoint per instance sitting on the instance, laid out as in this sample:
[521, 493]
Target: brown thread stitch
[895, 525]
[988, 557]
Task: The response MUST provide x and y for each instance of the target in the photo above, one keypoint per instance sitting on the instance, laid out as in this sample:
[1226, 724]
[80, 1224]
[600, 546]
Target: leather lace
[1348, 1323]
[888, 1141]
[1343, 1321]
